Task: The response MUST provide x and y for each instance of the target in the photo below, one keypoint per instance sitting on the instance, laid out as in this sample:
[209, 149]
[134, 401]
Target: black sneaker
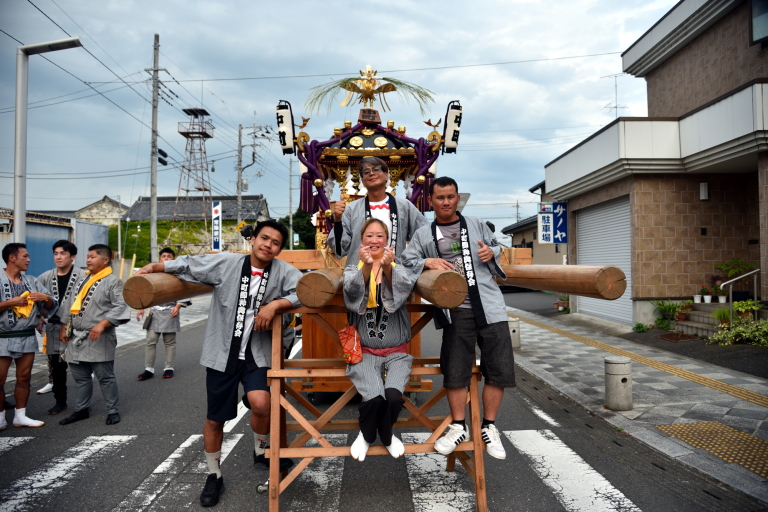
[75, 416]
[146, 375]
[56, 409]
[213, 487]
[261, 463]
[113, 418]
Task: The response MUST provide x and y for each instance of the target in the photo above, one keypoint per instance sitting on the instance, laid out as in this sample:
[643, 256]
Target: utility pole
[517, 206]
[153, 158]
[239, 178]
[290, 201]
[119, 233]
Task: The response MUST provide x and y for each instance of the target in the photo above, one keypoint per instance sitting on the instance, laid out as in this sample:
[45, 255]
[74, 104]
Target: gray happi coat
[423, 246]
[222, 272]
[393, 328]
[104, 300]
[15, 347]
[409, 220]
[65, 298]
[162, 321]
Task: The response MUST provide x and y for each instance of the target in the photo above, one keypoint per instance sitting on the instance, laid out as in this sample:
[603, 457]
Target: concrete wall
[103, 212]
[716, 62]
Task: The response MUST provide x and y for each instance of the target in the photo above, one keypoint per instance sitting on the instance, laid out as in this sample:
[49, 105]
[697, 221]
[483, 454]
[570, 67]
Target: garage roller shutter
[603, 238]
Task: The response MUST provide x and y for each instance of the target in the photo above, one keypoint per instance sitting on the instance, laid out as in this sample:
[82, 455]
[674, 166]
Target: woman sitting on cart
[375, 294]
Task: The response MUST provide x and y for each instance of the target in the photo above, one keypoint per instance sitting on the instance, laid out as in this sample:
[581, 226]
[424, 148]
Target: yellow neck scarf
[24, 311]
[75, 309]
[371, 287]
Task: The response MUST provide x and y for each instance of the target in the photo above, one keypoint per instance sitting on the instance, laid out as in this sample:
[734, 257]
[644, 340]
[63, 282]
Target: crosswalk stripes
[575, 484]
[23, 492]
[6, 443]
[431, 487]
[178, 479]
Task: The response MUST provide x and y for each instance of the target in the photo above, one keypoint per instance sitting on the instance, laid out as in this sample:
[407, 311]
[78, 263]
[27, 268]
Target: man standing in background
[163, 320]
[96, 310]
[22, 300]
[61, 281]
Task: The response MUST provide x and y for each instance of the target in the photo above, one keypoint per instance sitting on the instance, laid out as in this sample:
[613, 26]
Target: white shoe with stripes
[493, 442]
[454, 435]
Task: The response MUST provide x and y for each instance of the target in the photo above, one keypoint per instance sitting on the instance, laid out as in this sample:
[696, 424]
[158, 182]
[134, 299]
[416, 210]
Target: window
[758, 21]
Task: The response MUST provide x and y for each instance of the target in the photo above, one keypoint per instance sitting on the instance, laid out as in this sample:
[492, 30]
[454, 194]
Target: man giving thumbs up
[466, 245]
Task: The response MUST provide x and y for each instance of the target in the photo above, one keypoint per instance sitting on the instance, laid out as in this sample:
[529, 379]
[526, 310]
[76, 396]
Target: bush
[662, 323]
[640, 327]
[746, 306]
[666, 307]
[743, 330]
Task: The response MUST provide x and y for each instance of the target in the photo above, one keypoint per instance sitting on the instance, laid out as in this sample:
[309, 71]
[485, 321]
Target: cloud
[517, 117]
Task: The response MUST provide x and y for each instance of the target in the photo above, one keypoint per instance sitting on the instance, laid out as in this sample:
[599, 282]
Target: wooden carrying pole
[597, 282]
[445, 289]
[148, 290]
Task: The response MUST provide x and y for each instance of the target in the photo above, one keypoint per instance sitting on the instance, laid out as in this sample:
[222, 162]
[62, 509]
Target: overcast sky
[517, 117]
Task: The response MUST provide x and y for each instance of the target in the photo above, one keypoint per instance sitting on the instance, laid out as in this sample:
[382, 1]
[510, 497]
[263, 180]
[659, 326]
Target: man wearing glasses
[400, 215]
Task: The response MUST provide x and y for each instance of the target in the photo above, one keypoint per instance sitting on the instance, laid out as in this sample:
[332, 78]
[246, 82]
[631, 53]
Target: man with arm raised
[248, 290]
[400, 216]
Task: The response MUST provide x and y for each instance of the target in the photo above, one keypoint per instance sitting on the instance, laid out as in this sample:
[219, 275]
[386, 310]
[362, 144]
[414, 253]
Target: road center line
[541, 414]
[575, 484]
[57, 472]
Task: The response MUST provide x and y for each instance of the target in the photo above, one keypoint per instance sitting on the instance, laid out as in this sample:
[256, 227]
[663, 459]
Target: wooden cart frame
[311, 429]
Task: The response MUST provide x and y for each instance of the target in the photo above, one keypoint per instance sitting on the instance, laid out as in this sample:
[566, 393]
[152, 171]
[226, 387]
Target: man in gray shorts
[466, 245]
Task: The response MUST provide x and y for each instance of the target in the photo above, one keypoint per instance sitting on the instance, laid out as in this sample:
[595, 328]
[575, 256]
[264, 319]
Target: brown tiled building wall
[762, 173]
[670, 256]
[716, 62]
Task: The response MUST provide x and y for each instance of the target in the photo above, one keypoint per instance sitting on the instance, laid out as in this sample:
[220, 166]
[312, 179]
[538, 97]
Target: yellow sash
[371, 287]
[24, 311]
[75, 309]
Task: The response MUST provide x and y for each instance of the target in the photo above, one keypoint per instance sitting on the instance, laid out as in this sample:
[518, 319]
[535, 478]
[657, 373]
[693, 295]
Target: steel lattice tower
[195, 178]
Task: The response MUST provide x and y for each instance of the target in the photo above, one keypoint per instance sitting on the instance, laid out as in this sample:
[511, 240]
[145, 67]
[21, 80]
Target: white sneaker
[3, 422]
[21, 420]
[45, 389]
[454, 435]
[396, 448]
[493, 442]
[359, 448]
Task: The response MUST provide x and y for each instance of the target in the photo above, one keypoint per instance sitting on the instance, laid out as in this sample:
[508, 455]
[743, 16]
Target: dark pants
[379, 414]
[58, 377]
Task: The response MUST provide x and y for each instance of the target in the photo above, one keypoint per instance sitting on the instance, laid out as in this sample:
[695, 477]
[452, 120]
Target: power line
[459, 66]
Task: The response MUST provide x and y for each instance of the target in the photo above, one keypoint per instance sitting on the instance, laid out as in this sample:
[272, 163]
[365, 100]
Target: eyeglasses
[371, 170]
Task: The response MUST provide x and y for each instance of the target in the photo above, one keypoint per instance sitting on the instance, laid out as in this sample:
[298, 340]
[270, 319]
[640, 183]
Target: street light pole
[20, 143]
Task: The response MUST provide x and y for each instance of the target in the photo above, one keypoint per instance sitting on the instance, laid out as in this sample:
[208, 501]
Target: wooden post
[598, 282]
[445, 289]
[276, 431]
[148, 290]
[133, 264]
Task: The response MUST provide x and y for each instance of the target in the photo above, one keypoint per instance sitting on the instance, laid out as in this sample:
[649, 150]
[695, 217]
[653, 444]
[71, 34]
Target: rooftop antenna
[616, 105]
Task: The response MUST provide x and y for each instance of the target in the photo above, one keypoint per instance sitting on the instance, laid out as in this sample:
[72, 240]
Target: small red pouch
[350, 343]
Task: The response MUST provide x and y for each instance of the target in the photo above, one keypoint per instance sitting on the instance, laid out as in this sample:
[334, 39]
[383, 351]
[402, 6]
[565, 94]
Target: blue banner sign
[216, 226]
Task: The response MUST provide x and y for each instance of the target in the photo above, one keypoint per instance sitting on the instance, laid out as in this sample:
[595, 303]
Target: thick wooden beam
[445, 289]
[607, 282]
[316, 289]
[147, 290]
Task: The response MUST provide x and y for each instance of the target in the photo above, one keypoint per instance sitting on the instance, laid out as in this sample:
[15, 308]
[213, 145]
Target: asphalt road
[562, 458]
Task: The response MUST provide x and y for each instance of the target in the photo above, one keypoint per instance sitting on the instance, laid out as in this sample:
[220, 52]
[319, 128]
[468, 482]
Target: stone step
[709, 307]
[703, 317]
[699, 329]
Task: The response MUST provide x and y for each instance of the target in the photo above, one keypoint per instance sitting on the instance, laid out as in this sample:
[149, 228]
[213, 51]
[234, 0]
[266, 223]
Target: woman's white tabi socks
[396, 448]
[359, 448]
[21, 420]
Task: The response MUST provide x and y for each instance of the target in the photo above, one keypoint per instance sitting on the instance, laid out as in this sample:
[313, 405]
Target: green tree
[302, 224]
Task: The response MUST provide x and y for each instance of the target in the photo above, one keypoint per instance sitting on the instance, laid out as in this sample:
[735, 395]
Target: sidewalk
[718, 410]
[126, 333]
